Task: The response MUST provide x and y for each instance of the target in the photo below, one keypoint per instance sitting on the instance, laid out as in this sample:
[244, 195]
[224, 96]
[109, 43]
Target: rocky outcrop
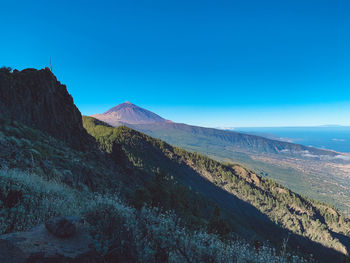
[37, 99]
[40, 245]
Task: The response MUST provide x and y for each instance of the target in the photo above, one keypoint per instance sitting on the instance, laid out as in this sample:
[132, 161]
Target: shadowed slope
[253, 203]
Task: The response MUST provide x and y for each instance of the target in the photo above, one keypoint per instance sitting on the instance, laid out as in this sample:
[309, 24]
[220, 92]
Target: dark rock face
[40, 246]
[37, 99]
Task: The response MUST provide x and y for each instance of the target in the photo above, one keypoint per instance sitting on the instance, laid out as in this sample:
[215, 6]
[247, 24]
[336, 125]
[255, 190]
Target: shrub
[27, 200]
[120, 233]
[124, 234]
[6, 69]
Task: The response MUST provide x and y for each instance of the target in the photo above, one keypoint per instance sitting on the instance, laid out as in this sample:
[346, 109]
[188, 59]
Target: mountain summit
[128, 113]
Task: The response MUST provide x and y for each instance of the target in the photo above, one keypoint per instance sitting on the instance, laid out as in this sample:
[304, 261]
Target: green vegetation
[6, 69]
[258, 154]
[121, 233]
[27, 199]
[146, 201]
[302, 216]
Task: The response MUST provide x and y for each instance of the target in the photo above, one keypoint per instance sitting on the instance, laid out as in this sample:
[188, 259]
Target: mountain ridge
[162, 128]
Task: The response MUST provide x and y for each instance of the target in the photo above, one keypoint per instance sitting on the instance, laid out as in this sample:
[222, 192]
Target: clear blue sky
[211, 63]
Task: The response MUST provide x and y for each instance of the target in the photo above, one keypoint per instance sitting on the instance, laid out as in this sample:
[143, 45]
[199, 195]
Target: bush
[109, 229]
[27, 200]
[120, 233]
[6, 69]
[124, 234]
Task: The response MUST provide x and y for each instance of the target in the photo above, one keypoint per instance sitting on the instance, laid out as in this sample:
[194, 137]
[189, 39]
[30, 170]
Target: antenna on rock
[50, 65]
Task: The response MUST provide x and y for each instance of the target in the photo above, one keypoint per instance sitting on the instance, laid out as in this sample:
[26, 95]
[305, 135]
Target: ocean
[335, 138]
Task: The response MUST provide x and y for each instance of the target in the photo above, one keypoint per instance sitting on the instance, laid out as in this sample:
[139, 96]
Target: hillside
[317, 173]
[44, 178]
[251, 202]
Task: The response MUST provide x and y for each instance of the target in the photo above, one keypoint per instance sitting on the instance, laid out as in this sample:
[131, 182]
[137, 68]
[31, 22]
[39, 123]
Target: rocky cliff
[37, 99]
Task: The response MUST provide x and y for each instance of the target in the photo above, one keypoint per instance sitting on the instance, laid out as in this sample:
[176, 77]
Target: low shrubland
[26, 200]
[303, 217]
[135, 196]
[120, 231]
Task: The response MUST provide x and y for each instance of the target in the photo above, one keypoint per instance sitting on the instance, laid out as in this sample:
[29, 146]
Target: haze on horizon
[208, 63]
